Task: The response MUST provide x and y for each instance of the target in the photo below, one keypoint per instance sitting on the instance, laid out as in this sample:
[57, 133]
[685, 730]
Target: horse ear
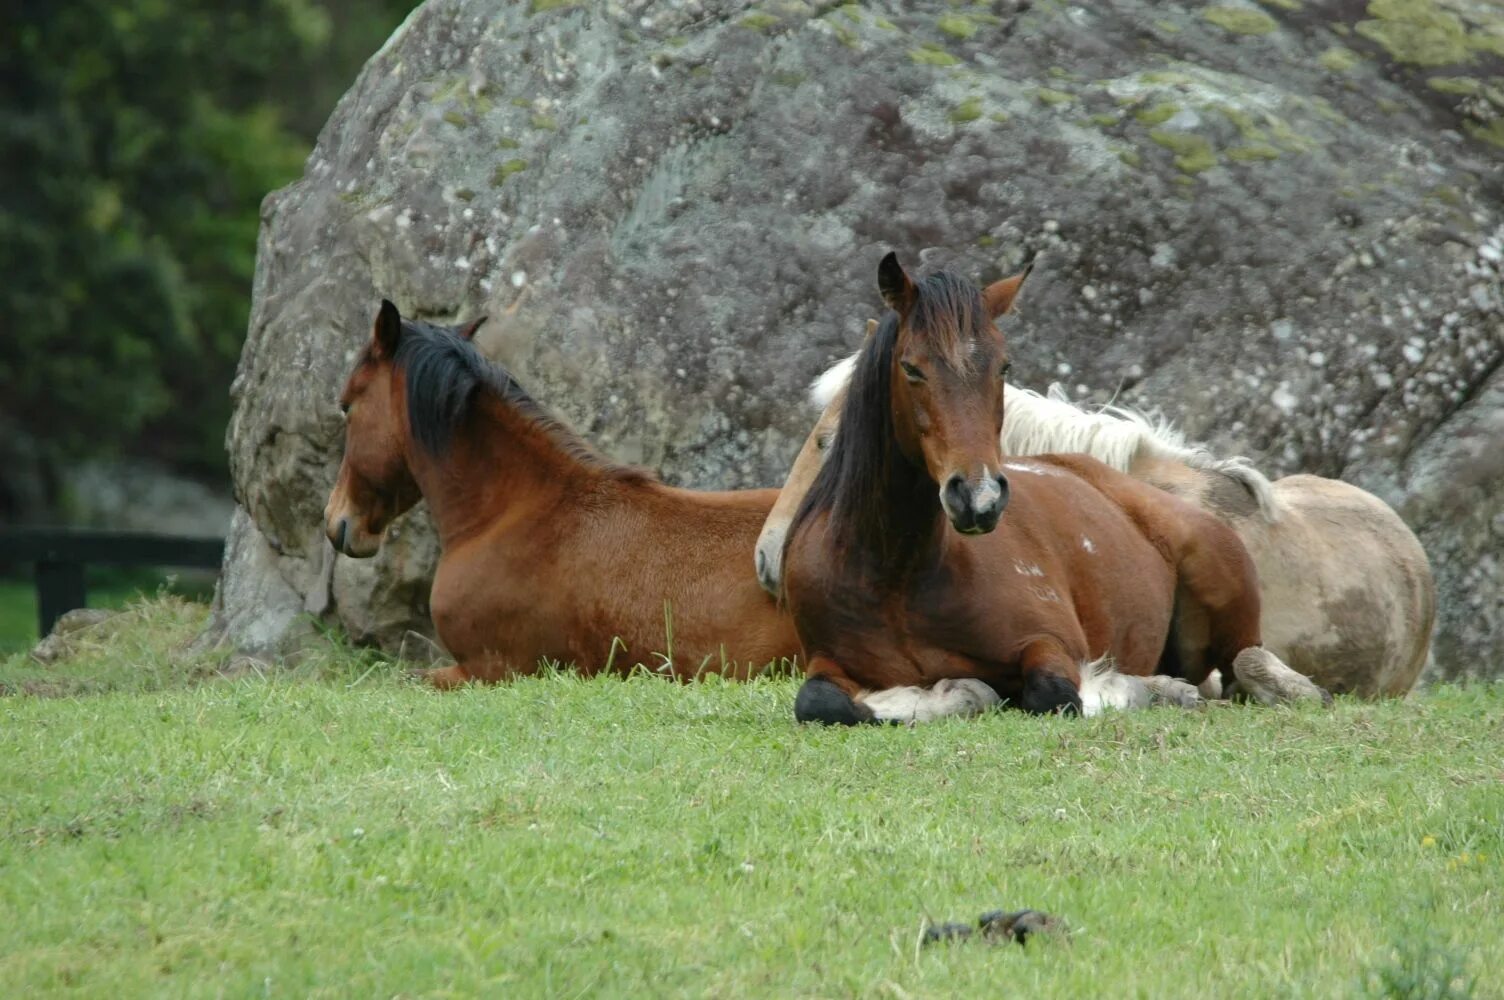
[871, 327]
[467, 330]
[894, 283]
[388, 331]
[1000, 295]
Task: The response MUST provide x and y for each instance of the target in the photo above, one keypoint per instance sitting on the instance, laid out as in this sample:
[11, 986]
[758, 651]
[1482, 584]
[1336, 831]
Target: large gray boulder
[1279, 224]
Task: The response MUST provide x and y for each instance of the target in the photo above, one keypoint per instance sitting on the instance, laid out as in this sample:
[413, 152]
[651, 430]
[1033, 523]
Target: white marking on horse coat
[1027, 569]
[1038, 470]
[1087, 545]
[1045, 593]
[1102, 688]
[951, 696]
[987, 492]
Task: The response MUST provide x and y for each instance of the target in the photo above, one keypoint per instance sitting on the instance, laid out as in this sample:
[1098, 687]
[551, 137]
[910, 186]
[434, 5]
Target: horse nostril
[339, 534]
[762, 565]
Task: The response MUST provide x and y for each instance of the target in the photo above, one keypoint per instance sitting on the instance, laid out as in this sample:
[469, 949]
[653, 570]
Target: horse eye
[822, 442]
[344, 409]
[1007, 367]
[913, 374]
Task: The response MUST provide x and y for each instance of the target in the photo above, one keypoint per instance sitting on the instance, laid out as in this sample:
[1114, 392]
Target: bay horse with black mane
[549, 550]
[926, 575]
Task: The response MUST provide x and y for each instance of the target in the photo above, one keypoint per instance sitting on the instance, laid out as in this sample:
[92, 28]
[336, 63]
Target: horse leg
[1051, 679]
[483, 671]
[1220, 609]
[1103, 688]
[830, 697]
[445, 678]
[948, 696]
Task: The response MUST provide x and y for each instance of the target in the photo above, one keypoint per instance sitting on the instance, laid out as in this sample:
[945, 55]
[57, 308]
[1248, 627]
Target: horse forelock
[948, 314]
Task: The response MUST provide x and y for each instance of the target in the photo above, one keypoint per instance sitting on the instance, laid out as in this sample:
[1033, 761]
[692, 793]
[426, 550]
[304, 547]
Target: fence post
[60, 589]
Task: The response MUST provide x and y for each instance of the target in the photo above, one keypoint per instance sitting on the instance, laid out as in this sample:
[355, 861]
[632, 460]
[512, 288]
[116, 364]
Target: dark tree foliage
[137, 139]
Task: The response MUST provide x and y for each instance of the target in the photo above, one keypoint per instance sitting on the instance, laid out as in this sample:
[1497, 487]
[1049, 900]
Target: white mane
[1114, 435]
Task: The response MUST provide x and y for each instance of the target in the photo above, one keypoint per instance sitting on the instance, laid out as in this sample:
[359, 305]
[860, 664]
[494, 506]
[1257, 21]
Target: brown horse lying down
[549, 550]
[901, 617]
[1347, 593]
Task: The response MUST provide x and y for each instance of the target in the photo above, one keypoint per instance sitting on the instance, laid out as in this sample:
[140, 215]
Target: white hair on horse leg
[1102, 687]
[1211, 688]
[824, 388]
[1270, 681]
[951, 696]
[1172, 691]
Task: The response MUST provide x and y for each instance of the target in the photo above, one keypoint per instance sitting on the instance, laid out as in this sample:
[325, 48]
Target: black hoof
[821, 700]
[1001, 925]
[1044, 694]
[936, 933]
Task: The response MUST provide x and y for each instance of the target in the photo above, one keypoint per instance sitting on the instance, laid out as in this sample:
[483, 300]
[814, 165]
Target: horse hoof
[1268, 680]
[1045, 694]
[1001, 925]
[936, 933]
[821, 700]
[444, 678]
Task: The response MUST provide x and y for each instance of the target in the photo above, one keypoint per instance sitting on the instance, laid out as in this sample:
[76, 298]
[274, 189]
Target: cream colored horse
[1348, 598]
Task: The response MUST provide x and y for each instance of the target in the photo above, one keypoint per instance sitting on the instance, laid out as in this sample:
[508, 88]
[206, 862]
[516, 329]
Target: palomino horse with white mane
[1054, 564]
[1347, 594]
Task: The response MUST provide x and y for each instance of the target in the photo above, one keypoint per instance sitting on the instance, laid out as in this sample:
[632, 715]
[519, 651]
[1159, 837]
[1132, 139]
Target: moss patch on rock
[1491, 133]
[758, 21]
[932, 55]
[1240, 20]
[1339, 59]
[1424, 33]
[1157, 115]
[1455, 84]
[1053, 97]
[968, 110]
[957, 26]
[505, 170]
[1193, 154]
[1253, 152]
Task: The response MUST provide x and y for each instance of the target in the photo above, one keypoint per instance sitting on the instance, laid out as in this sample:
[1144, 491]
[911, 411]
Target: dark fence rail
[59, 556]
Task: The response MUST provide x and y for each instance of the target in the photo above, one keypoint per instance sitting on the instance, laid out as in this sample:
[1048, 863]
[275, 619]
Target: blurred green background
[137, 139]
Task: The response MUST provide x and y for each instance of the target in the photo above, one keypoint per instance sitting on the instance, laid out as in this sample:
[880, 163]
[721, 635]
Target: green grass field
[334, 830]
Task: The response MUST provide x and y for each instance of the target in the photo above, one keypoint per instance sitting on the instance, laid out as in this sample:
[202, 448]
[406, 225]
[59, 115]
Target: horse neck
[499, 464]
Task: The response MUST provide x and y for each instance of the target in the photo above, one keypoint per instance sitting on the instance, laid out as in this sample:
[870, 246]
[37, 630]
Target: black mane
[850, 485]
[445, 372]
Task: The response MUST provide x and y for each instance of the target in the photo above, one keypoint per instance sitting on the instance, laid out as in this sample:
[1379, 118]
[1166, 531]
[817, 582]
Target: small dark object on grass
[1016, 925]
[946, 932]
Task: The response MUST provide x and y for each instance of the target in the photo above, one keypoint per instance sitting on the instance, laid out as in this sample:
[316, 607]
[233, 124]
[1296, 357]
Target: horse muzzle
[974, 506]
[769, 557]
[348, 538]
